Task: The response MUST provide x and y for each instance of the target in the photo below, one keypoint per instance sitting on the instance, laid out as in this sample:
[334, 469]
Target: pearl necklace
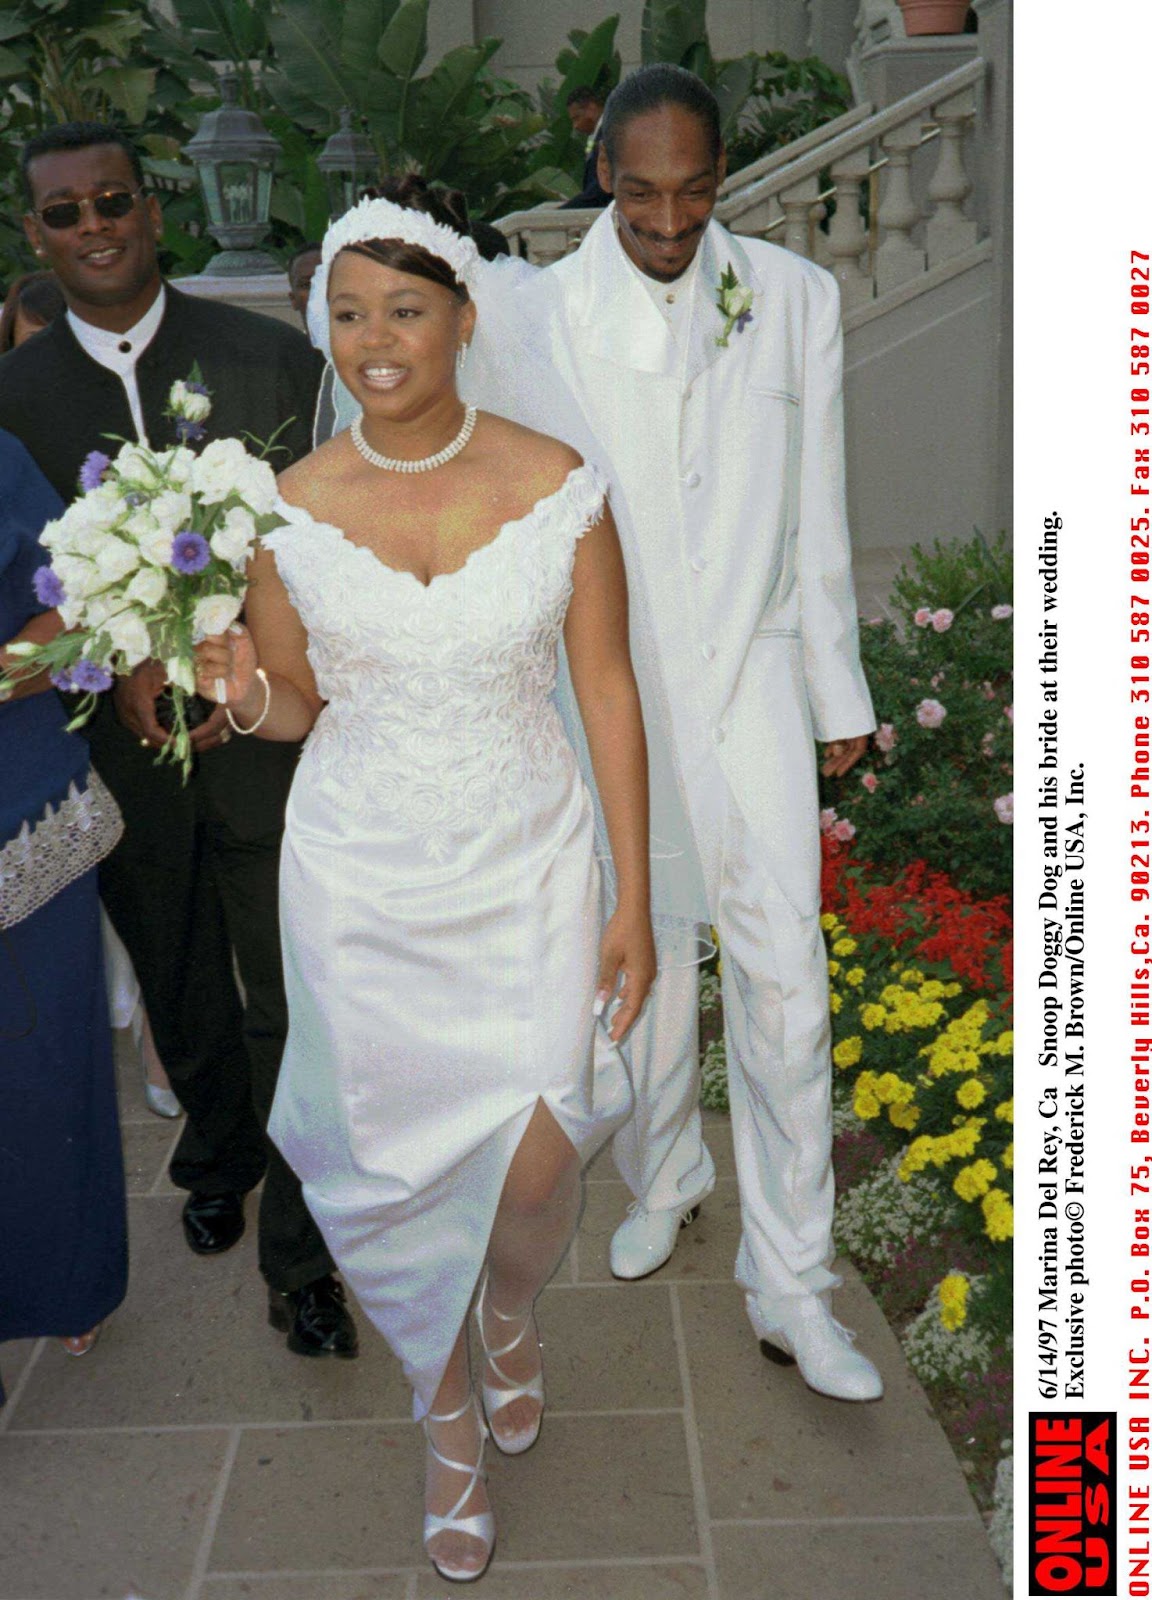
[422, 463]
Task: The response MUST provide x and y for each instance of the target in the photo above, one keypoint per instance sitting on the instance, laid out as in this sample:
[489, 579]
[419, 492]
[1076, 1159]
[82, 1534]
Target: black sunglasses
[111, 204]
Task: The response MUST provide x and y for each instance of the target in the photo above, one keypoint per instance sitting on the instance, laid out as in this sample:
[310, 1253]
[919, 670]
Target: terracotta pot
[934, 16]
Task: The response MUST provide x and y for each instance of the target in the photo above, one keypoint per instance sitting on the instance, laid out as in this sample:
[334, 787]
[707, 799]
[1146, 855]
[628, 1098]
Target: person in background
[585, 110]
[33, 301]
[193, 886]
[64, 1261]
[301, 270]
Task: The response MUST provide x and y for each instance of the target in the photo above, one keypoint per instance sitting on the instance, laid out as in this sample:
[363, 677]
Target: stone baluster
[949, 231]
[796, 203]
[847, 237]
[548, 244]
[817, 237]
[898, 257]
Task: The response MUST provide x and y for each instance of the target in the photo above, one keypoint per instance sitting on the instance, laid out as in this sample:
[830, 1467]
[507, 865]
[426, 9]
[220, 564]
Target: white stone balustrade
[784, 197]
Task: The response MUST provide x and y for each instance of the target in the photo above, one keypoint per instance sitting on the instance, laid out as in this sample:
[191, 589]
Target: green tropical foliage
[300, 62]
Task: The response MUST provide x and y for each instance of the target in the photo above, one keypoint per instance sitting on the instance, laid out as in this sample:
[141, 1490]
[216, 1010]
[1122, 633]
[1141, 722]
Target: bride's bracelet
[234, 725]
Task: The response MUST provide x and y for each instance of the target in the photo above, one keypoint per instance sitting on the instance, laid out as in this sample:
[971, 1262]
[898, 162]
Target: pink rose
[885, 737]
[989, 691]
[1000, 613]
[1003, 808]
[869, 780]
[936, 679]
[844, 830]
[827, 819]
[930, 713]
[986, 744]
[922, 617]
[1008, 714]
[942, 620]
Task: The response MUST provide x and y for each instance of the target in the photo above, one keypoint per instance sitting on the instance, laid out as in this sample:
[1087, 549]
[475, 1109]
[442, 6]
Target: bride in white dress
[439, 890]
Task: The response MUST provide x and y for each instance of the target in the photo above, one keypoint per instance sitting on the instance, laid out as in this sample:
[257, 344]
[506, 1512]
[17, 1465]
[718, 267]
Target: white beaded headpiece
[383, 219]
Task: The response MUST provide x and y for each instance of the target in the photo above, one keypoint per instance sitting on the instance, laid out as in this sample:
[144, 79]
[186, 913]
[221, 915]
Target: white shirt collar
[673, 299]
[108, 348]
[119, 352]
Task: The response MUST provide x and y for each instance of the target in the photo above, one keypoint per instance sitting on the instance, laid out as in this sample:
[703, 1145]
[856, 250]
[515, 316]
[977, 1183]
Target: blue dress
[63, 1232]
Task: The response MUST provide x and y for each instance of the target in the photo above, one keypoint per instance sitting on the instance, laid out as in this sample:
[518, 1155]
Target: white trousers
[774, 984]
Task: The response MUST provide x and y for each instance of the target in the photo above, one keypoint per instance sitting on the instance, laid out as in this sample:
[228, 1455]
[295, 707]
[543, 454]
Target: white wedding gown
[439, 910]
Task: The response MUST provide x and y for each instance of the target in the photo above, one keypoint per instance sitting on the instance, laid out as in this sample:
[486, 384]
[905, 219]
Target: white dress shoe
[161, 1102]
[821, 1347]
[645, 1239]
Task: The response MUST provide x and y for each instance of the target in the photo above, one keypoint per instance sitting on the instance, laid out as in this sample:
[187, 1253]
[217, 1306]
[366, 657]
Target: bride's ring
[220, 690]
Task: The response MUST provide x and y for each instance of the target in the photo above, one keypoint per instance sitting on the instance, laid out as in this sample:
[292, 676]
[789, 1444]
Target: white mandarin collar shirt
[672, 300]
[119, 352]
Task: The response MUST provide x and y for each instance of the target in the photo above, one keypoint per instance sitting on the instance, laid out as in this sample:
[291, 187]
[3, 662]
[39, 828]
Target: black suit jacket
[591, 194]
[61, 404]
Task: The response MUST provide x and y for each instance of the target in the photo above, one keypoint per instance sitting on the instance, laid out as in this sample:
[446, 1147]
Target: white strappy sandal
[511, 1444]
[482, 1525]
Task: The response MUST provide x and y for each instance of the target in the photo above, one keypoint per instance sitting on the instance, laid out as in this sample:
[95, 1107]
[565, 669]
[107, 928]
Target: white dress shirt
[119, 352]
[672, 300]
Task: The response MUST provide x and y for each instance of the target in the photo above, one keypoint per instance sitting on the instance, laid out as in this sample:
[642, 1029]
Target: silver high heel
[482, 1525]
[511, 1444]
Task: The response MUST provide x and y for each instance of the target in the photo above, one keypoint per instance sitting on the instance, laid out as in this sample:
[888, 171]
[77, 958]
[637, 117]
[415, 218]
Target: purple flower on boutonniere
[92, 470]
[734, 303]
[189, 404]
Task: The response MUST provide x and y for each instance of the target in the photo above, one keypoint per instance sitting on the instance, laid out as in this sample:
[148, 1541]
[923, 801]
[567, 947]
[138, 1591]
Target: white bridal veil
[509, 371]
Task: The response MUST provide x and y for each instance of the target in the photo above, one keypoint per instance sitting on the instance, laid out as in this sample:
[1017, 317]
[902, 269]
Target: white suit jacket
[729, 464]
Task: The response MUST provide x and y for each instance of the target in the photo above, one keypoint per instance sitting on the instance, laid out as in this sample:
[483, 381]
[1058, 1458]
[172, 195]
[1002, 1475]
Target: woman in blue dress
[64, 1257]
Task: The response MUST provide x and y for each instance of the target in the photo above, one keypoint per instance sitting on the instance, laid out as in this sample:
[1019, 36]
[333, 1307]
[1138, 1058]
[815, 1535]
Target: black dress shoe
[213, 1222]
[315, 1319]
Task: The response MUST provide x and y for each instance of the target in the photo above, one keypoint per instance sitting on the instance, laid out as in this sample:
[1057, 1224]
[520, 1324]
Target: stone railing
[878, 198]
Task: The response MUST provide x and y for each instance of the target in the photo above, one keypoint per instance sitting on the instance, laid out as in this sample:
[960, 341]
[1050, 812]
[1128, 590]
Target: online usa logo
[1072, 1503]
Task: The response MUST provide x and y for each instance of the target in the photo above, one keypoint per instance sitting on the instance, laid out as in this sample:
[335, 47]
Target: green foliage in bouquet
[937, 782]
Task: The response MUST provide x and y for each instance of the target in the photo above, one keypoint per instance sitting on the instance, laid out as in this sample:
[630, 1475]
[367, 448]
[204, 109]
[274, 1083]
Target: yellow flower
[866, 1105]
[844, 947]
[1004, 1111]
[933, 989]
[833, 968]
[971, 1182]
[951, 990]
[999, 1219]
[834, 1003]
[904, 1116]
[829, 921]
[1009, 1156]
[872, 1016]
[848, 1052]
[855, 976]
[953, 1295]
[970, 1094]
[912, 976]
[891, 993]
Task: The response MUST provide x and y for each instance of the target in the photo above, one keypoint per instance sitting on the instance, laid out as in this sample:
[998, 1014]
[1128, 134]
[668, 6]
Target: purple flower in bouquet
[89, 677]
[49, 589]
[189, 432]
[190, 552]
[61, 679]
[92, 470]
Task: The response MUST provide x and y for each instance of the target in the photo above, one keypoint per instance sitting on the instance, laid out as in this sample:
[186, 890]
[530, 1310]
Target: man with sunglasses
[194, 880]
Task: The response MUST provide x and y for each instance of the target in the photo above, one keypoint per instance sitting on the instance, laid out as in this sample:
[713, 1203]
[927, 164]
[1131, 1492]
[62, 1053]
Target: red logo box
[1072, 1502]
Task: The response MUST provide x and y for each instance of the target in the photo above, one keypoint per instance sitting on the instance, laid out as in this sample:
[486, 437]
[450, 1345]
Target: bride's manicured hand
[627, 948]
[229, 658]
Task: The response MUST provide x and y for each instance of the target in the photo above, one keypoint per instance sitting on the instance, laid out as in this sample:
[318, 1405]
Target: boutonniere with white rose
[149, 560]
[734, 303]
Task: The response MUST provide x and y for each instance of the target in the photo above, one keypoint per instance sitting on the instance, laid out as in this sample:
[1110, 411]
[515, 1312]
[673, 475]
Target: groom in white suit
[719, 413]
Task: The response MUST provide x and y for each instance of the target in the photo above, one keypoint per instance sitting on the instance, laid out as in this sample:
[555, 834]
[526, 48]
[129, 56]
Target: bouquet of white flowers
[150, 560]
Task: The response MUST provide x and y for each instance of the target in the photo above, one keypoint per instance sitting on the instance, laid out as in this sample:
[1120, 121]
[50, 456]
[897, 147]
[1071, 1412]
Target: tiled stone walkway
[191, 1457]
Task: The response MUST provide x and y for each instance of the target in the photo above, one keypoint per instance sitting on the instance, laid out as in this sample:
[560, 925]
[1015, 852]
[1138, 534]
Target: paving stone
[15, 1355]
[191, 1344]
[351, 1498]
[146, 1149]
[605, 1350]
[672, 1581]
[856, 1561]
[105, 1514]
[772, 1448]
[317, 1586]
